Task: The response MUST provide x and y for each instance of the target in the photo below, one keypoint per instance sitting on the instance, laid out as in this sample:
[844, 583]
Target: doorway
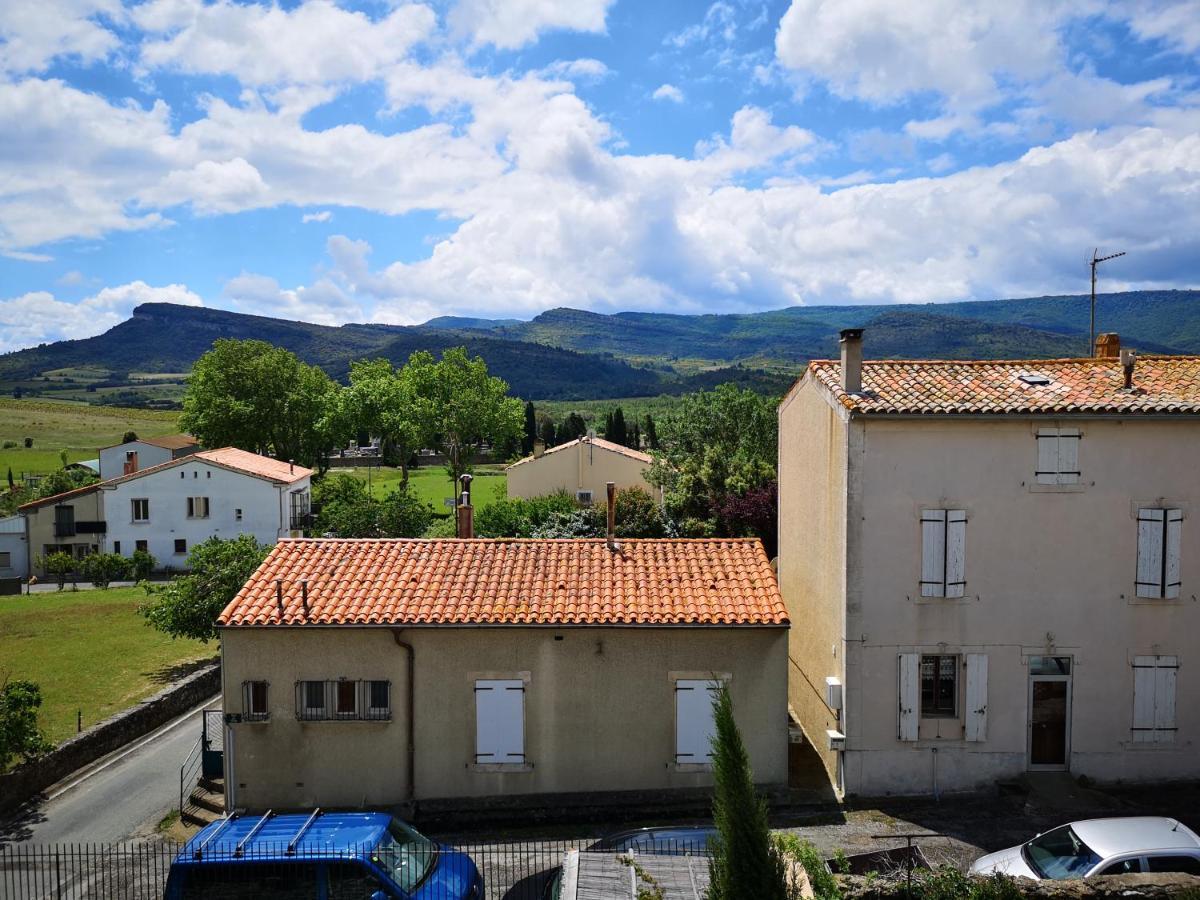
[1049, 712]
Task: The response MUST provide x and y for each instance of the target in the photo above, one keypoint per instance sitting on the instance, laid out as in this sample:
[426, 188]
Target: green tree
[586, 522]
[638, 515]
[400, 514]
[462, 405]
[617, 432]
[58, 564]
[531, 430]
[745, 862]
[20, 736]
[651, 432]
[63, 480]
[101, 569]
[382, 402]
[547, 434]
[338, 487]
[143, 563]
[188, 605]
[11, 484]
[129, 436]
[261, 398]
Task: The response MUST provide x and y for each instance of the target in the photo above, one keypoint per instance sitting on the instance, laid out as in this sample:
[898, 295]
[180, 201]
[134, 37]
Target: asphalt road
[121, 796]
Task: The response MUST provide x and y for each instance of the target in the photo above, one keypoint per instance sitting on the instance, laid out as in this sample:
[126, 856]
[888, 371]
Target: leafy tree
[752, 514]
[521, 517]
[400, 514]
[62, 458]
[531, 430]
[129, 436]
[101, 569]
[63, 480]
[60, 565]
[338, 487]
[188, 605]
[744, 862]
[587, 522]
[261, 398]
[462, 405]
[381, 401]
[639, 516]
[20, 736]
[143, 563]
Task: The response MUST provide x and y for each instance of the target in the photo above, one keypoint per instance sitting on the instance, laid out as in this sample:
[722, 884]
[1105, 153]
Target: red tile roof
[512, 582]
[1161, 385]
[596, 442]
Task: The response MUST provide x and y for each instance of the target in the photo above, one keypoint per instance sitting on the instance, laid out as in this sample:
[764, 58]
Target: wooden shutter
[977, 673]
[1154, 679]
[500, 721]
[694, 725]
[910, 695]
[956, 552]
[933, 553]
[1068, 456]
[1165, 672]
[1150, 552]
[1173, 528]
[1047, 461]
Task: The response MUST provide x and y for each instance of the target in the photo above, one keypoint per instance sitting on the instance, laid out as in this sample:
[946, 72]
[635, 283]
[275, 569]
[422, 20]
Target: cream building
[382, 672]
[993, 567]
[581, 467]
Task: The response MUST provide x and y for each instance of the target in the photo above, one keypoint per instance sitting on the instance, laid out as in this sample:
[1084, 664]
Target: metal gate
[212, 739]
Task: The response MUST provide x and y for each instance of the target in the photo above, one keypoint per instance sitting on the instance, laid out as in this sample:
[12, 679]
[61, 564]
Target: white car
[1099, 847]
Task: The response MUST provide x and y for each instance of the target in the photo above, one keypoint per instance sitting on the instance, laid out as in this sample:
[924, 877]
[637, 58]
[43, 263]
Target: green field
[89, 651]
[80, 430]
[593, 411]
[433, 485]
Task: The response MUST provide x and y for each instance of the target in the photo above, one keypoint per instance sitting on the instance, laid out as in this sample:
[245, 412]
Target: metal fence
[522, 870]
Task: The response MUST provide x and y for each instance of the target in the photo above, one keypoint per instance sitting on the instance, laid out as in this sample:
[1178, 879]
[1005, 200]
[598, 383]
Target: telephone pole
[1096, 260]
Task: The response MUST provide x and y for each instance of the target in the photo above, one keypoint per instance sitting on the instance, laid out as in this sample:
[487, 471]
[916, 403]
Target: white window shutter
[694, 723]
[1143, 699]
[933, 553]
[1174, 527]
[1068, 456]
[956, 552]
[1165, 672]
[910, 695]
[1150, 553]
[1047, 461]
[500, 721]
[977, 673]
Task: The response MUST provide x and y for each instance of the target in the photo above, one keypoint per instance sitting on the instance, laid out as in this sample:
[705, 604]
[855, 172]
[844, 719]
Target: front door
[1049, 712]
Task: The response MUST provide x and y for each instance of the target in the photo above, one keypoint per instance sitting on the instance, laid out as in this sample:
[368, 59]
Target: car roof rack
[291, 847]
[241, 847]
[222, 824]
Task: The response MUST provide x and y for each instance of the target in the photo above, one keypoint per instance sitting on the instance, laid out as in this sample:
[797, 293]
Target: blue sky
[391, 161]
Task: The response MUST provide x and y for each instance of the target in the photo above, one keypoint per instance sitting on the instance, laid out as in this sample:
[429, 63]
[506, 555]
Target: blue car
[319, 856]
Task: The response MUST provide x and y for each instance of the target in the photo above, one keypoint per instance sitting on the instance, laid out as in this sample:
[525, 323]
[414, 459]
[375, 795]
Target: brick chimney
[1108, 345]
[851, 342]
[131, 462]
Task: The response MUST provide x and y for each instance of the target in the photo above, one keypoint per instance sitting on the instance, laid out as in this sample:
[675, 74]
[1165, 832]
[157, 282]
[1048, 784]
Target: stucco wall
[599, 710]
[39, 523]
[12, 542]
[1048, 573]
[112, 459]
[812, 535]
[583, 467]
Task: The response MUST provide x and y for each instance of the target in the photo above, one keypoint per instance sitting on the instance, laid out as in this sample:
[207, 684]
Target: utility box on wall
[837, 740]
[833, 692]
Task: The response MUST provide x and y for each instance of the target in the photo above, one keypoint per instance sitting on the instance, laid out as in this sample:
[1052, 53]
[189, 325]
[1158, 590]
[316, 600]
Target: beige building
[581, 467]
[72, 522]
[380, 672]
[993, 566]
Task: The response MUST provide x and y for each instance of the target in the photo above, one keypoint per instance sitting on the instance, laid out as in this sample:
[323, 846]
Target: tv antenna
[1095, 261]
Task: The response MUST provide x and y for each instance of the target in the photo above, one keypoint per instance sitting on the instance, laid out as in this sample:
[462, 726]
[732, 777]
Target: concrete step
[207, 800]
[194, 815]
[214, 785]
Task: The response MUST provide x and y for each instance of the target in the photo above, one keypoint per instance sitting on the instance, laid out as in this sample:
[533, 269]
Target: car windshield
[1059, 854]
[406, 855]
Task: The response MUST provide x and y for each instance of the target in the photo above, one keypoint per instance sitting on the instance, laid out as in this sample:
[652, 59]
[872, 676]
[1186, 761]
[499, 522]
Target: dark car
[336, 855]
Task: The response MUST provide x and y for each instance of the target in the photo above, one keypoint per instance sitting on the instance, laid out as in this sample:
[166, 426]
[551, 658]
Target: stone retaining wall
[1150, 887]
[28, 780]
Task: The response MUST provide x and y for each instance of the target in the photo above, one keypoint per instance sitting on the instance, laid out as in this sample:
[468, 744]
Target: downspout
[412, 725]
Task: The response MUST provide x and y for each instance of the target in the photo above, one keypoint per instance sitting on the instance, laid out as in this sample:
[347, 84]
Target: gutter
[412, 724]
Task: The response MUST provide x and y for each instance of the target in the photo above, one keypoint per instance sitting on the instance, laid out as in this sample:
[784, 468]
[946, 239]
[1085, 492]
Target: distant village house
[582, 468]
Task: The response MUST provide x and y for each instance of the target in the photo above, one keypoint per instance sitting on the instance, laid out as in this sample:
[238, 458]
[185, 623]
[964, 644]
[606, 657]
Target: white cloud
[510, 24]
[322, 216]
[323, 303]
[211, 187]
[32, 35]
[1174, 22]
[667, 92]
[585, 69]
[70, 279]
[720, 21]
[38, 317]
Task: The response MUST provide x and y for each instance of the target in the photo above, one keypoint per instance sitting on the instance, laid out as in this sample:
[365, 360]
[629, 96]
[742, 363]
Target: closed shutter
[1047, 461]
[909, 695]
[1174, 528]
[956, 552]
[933, 553]
[500, 721]
[1150, 552]
[977, 674]
[694, 724]
[1068, 456]
[1154, 679]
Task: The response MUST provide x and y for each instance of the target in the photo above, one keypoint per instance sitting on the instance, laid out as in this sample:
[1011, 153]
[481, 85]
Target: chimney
[1108, 345]
[611, 488]
[291, 467]
[304, 594]
[131, 462]
[851, 342]
[1128, 361]
[539, 447]
[466, 513]
[279, 594]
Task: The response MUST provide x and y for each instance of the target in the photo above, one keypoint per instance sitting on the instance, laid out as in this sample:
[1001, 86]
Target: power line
[1096, 260]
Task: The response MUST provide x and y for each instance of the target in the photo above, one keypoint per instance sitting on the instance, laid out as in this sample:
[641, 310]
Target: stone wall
[1150, 887]
[29, 779]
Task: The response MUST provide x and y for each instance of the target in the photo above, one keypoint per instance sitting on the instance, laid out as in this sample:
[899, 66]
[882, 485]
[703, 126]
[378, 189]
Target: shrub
[582, 523]
[8, 445]
[101, 569]
[60, 565]
[129, 437]
[443, 527]
[639, 516]
[19, 732]
[143, 563]
[28, 442]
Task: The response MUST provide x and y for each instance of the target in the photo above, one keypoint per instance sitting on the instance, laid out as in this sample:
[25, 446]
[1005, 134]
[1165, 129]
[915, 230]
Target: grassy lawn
[433, 486]
[90, 651]
[80, 430]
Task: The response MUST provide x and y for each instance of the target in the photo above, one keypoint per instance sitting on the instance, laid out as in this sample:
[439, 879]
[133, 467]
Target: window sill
[1151, 746]
[1152, 601]
[1077, 488]
[502, 768]
[342, 720]
[693, 767]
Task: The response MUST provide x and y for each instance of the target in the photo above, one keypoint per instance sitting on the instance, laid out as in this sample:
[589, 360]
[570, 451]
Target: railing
[189, 774]
[510, 871]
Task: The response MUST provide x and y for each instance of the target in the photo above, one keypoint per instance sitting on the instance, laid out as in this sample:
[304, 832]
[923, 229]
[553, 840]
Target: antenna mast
[1096, 260]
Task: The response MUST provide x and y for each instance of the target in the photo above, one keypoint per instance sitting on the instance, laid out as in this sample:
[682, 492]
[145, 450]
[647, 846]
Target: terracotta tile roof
[1162, 384]
[512, 582]
[596, 442]
[58, 498]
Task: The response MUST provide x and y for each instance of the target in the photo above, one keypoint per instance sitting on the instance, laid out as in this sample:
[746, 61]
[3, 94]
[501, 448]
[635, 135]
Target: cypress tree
[651, 433]
[744, 862]
[608, 426]
[635, 437]
[547, 432]
[620, 434]
[531, 429]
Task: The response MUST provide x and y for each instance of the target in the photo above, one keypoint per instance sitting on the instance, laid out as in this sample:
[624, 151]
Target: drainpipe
[412, 724]
[937, 795]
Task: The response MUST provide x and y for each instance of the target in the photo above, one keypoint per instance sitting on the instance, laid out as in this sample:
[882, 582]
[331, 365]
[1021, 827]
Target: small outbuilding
[582, 468]
[143, 453]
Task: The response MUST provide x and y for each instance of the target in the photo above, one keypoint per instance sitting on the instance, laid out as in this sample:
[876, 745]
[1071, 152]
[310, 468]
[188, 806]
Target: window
[343, 700]
[1058, 456]
[182, 474]
[117, 547]
[500, 722]
[379, 695]
[254, 701]
[141, 509]
[694, 726]
[584, 497]
[943, 552]
[347, 707]
[1158, 553]
[180, 545]
[1188, 865]
[237, 515]
[144, 546]
[1122, 867]
[1154, 699]
[6, 560]
[311, 703]
[197, 507]
[939, 687]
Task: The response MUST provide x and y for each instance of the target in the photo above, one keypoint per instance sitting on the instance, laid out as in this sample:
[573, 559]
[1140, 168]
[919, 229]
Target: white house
[132, 456]
[14, 549]
[170, 508]
[995, 565]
